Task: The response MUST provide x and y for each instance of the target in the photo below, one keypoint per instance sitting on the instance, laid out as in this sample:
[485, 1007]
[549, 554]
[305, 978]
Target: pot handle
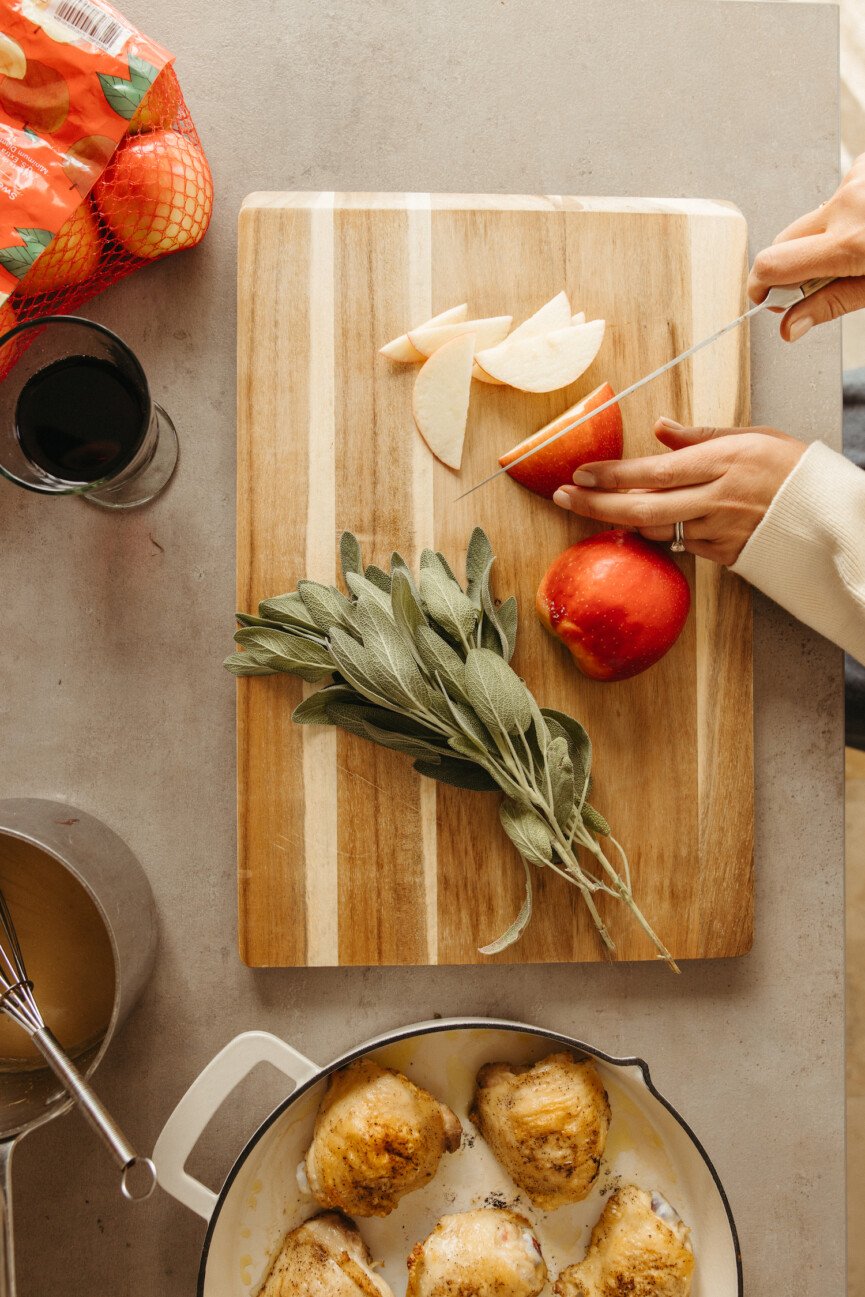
[201, 1102]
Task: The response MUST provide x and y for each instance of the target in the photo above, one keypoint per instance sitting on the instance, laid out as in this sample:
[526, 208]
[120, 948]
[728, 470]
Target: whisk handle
[138, 1178]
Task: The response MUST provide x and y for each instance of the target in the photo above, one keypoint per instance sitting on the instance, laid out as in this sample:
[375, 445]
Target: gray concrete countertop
[114, 627]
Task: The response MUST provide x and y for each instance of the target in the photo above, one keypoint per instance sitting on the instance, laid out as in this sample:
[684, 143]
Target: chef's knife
[781, 298]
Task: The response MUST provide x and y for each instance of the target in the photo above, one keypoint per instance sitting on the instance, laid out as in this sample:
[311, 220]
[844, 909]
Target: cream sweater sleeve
[808, 553]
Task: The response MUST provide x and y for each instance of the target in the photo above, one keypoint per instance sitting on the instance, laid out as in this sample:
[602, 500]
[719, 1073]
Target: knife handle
[784, 296]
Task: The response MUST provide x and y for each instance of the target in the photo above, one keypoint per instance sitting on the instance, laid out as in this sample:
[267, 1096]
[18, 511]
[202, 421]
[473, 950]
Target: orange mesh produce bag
[101, 169]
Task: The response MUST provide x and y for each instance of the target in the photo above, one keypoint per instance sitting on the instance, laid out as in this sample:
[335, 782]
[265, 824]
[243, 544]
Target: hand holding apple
[616, 602]
[719, 482]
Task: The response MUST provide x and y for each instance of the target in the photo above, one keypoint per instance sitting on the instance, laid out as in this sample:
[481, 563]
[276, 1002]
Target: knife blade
[779, 298]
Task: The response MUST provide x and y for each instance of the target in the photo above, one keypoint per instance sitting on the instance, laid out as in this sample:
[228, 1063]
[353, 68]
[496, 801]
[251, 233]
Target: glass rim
[93, 325]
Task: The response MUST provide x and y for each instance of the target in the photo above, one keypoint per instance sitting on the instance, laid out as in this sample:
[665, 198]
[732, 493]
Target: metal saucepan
[649, 1144]
[107, 887]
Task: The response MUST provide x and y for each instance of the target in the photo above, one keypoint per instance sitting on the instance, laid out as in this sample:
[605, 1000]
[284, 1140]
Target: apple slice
[488, 333]
[440, 402]
[401, 348]
[546, 363]
[553, 466]
[554, 314]
[579, 318]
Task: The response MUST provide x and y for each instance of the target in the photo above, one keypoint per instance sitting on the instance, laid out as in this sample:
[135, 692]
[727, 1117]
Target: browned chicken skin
[325, 1257]
[377, 1137]
[546, 1123]
[639, 1248]
[484, 1253]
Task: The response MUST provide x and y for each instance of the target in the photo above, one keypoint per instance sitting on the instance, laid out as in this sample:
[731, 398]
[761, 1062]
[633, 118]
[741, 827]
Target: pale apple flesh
[554, 314]
[546, 363]
[553, 466]
[617, 602]
[440, 401]
[401, 348]
[487, 333]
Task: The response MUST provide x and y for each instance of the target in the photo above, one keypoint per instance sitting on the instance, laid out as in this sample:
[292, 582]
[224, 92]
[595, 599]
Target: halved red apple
[552, 466]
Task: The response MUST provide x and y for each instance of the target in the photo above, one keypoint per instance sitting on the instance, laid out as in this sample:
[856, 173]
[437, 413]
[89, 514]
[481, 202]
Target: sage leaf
[508, 617]
[362, 585]
[579, 743]
[561, 772]
[378, 578]
[497, 693]
[350, 559]
[288, 608]
[313, 709]
[247, 664]
[515, 931]
[527, 831]
[405, 606]
[458, 773]
[441, 660]
[447, 567]
[326, 606]
[595, 821]
[446, 603]
[388, 654]
[352, 662]
[247, 619]
[398, 564]
[495, 639]
[479, 558]
[286, 652]
[468, 723]
[412, 747]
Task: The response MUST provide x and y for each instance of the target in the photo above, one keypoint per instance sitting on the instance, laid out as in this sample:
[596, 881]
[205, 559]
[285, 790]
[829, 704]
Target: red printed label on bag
[73, 75]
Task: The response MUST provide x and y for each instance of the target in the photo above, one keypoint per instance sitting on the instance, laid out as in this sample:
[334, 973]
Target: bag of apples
[101, 169]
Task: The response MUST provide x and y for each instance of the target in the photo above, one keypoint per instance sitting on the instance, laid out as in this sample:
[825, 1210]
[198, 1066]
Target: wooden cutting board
[346, 856]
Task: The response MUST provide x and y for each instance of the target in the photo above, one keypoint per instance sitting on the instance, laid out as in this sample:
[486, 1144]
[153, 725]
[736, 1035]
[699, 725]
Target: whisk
[17, 1001]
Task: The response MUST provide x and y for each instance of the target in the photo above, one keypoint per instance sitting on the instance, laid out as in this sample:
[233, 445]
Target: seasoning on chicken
[377, 1137]
[326, 1257]
[484, 1253]
[639, 1248]
[547, 1124]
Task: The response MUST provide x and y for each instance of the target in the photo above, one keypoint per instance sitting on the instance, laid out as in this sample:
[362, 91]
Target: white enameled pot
[649, 1144]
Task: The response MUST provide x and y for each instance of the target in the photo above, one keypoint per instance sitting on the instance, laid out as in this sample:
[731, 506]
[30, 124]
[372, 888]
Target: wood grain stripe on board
[382, 887]
[419, 236]
[272, 401]
[320, 741]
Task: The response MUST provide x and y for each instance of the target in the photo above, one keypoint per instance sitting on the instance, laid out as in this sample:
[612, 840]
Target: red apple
[156, 194]
[616, 602]
[550, 468]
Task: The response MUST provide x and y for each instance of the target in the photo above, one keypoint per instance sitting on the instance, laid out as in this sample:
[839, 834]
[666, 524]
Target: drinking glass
[74, 386]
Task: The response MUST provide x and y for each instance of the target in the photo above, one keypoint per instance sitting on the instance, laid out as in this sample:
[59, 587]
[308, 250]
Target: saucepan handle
[202, 1100]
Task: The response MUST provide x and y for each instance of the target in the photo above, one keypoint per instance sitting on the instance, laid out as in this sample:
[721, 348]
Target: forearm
[808, 553]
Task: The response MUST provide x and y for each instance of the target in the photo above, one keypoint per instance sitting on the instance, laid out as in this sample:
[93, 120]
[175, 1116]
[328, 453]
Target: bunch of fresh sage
[422, 667]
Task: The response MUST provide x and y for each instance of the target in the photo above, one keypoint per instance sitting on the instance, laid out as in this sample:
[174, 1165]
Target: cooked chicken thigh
[326, 1257]
[639, 1247]
[377, 1137]
[483, 1253]
[546, 1123]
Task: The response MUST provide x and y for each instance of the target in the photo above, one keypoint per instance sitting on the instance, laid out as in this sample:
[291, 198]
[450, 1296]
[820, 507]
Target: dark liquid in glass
[80, 419]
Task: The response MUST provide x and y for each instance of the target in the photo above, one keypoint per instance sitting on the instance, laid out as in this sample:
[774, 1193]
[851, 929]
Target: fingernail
[562, 499]
[672, 425]
[800, 327]
[582, 478]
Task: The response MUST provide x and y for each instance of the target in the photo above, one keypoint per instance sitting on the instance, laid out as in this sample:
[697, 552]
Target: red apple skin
[596, 439]
[617, 602]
